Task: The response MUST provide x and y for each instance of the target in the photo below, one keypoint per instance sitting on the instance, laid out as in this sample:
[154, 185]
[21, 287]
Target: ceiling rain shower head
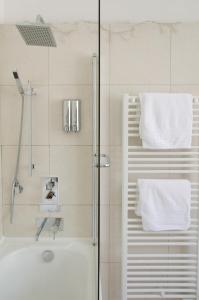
[37, 34]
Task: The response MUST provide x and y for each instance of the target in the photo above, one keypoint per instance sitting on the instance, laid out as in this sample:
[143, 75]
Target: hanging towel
[164, 204]
[166, 120]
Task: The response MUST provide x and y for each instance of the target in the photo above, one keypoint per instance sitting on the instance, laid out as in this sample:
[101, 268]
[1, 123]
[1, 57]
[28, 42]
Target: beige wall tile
[77, 220]
[32, 186]
[104, 233]
[31, 62]
[57, 135]
[104, 115]
[104, 53]
[1, 194]
[40, 115]
[70, 62]
[192, 89]
[105, 178]
[73, 166]
[115, 281]
[185, 54]
[140, 54]
[24, 224]
[116, 175]
[115, 233]
[104, 275]
[0, 116]
[11, 113]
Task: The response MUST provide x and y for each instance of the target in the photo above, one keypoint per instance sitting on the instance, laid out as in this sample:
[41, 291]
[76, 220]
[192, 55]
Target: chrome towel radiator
[157, 265]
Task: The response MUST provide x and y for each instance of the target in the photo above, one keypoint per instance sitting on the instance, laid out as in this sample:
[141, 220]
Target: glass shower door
[49, 123]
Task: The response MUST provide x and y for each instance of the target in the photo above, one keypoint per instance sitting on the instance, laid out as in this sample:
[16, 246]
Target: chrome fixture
[18, 83]
[47, 255]
[40, 228]
[71, 115]
[94, 150]
[49, 224]
[57, 226]
[104, 161]
[50, 195]
[50, 184]
[37, 34]
[16, 186]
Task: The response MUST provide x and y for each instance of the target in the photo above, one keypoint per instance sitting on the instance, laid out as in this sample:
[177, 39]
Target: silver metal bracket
[104, 161]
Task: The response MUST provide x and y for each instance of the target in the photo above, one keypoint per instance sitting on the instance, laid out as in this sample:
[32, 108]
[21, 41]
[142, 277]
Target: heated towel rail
[158, 265]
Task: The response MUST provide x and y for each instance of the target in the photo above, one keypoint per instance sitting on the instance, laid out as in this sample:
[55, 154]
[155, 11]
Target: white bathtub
[24, 275]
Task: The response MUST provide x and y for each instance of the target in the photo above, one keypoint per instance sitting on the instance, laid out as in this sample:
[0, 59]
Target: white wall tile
[140, 54]
[57, 135]
[30, 62]
[73, 166]
[70, 62]
[185, 54]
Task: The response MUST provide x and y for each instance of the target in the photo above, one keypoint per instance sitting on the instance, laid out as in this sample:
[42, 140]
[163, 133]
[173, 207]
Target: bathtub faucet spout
[40, 228]
[52, 225]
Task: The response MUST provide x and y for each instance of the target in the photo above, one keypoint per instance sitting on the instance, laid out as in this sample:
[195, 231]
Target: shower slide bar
[16, 186]
[157, 265]
[94, 150]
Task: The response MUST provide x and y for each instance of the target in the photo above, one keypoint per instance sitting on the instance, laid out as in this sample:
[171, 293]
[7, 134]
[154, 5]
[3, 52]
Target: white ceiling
[12, 11]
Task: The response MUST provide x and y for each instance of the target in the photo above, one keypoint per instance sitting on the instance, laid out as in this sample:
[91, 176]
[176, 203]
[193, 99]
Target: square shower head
[37, 35]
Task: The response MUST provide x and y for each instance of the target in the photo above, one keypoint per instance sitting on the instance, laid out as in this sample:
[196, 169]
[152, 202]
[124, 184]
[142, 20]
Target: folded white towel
[164, 204]
[166, 120]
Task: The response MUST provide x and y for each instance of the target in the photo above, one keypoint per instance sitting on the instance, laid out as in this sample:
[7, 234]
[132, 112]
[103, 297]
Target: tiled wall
[142, 57]
[55, 74]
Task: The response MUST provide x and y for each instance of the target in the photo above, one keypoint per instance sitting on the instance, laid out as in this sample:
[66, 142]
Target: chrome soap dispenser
[71, 115]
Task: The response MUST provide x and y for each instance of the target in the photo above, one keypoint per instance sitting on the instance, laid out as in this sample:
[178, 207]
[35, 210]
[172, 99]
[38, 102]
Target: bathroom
[63, 142]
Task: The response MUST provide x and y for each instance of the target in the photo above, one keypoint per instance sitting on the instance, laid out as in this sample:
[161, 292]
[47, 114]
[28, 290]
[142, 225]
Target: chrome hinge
[104, 161]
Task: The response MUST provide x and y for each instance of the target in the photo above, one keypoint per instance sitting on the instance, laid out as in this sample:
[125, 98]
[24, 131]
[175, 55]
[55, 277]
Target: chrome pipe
[15, 183]
[94, 149]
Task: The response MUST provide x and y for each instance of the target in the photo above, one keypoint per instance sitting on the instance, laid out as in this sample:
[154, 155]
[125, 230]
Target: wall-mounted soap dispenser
[71, 115]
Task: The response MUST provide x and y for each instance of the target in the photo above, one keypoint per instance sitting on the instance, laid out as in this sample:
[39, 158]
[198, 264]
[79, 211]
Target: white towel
[166, 120]
[164, 204]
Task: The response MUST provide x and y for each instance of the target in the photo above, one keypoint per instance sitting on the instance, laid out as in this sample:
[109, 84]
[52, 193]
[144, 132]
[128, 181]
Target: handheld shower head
[18, 83]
